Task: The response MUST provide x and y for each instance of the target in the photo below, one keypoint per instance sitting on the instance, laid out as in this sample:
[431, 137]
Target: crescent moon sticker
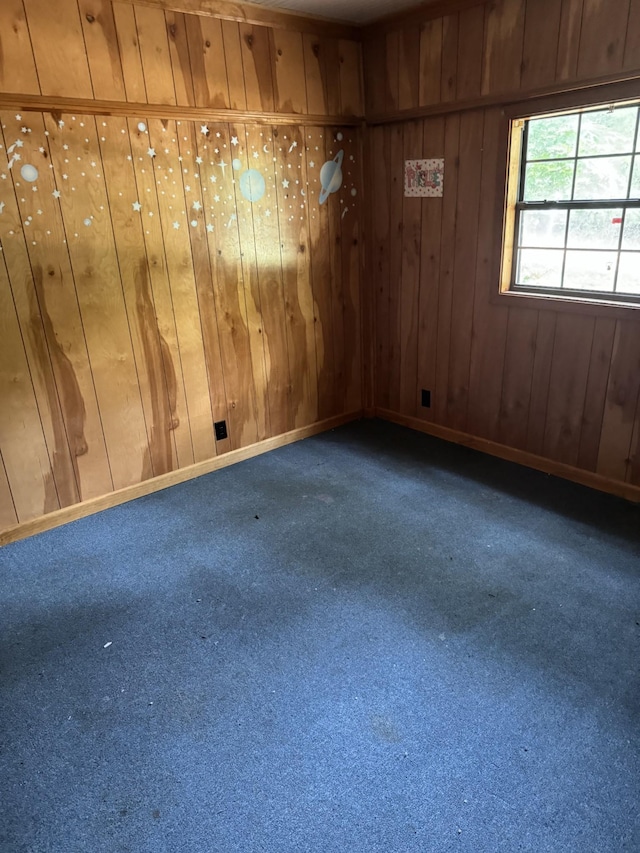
[265, 149]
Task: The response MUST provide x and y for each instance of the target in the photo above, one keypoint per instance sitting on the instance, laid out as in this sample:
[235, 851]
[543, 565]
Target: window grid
[571, 204]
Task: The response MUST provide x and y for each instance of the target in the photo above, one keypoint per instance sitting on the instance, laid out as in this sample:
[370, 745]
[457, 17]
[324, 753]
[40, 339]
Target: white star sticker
[151, 152]
[176, 225]
[25, 129]
[187, 188]
[41, 149]
[216, 198]
[267, 212]
[56, 193]
[136, 206]
[18, 118]
[60, 123]
[285, 184]
[65, 177]
[209, 228]
[311, 164]
[204, 129]
[222, 165]
[213, 179]
[39, 212]
[255, 155]
[199, 160]
[3, 177]
[234, 140]
[19, 143]
[196, 205]
[293, 145]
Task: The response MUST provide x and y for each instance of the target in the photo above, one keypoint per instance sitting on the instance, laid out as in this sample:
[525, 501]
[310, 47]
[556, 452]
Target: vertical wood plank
[410, 279]
[409, 68]
[350, 240]
[151, 27]
[58, 48]
[602, 37]
[288, 58]
[374, 51]
[206, 52]
[614, 454]
[489, 320]
[396, 235]
[351, 83]
[381, 191]
[519, 356]
[449, 73]
[599, 365]
[258, 70]
[538, 405]
[540, 53]
[129, 51]
[466, 243]
[447, 264]
[567, 387]
[430, 62]
[470, 43]
[392, 56]
[233, 61]
[433, 146]
[569, 39]
[503, 35]
[180, 62]
[101, 42]
[17, 65]
[8, 515]
[632, 42]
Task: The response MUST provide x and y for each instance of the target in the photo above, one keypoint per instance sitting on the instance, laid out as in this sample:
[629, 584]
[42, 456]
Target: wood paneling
[148, 286]
[561, 385]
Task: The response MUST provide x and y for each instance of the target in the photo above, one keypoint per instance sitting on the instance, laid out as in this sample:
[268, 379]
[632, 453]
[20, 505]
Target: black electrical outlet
[426, 399]
[221, 430]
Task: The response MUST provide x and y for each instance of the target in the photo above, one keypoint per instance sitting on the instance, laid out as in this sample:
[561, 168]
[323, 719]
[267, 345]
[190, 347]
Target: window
[573, 207]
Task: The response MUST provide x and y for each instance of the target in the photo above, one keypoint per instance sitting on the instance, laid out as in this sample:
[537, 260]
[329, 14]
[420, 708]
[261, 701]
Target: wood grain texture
[17, 64]
[101, 42]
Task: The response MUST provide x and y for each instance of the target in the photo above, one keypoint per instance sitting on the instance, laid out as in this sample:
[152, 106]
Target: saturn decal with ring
[331, 177]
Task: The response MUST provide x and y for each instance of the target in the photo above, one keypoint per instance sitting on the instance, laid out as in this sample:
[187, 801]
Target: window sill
[552, 302]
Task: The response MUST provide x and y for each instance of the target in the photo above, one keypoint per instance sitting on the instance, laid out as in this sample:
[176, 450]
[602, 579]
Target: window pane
[629, 273]
[590, 270]
[602, 177]
[544, 228]
[548, 181]
[594, 229]
[635, 181]
[631, 235]
[550, 138]
[608, 132]
[540, 267]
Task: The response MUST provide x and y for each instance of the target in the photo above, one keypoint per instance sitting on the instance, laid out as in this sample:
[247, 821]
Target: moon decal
[252, 185]
[29, 173]
[331, 177]
[265, 149]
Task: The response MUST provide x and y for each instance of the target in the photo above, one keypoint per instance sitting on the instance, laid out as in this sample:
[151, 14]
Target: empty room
[319, 426]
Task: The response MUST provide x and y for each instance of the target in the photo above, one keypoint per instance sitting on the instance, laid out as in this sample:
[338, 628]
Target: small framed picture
[423, 177]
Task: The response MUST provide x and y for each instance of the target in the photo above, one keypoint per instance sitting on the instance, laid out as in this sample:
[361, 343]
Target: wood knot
[279, 51]
[207, 43]
[301, 249]
[90, 18]
[172, 31]
[249, 41]
[315, 47]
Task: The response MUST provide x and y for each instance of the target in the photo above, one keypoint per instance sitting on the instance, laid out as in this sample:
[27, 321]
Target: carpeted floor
[367, 641]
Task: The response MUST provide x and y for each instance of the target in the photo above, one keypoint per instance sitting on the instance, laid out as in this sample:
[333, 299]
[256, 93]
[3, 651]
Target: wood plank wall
[143, 295]
[564, 385]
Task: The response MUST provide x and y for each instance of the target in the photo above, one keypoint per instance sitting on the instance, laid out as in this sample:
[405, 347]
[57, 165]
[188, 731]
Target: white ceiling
[350, 11]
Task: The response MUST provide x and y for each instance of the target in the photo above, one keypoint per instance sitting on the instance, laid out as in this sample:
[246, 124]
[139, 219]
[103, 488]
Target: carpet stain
[384, 729]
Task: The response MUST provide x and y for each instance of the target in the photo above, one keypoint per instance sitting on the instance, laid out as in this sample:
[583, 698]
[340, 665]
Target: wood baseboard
[71, 513]
[586, 478]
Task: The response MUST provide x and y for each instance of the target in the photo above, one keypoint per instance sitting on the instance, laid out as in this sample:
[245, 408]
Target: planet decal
[29, 173]
[252, 185]
[237, 164]
[331, 177]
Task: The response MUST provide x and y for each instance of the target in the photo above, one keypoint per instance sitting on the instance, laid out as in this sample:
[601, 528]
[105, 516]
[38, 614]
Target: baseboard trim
[164, 481]
[530, 460]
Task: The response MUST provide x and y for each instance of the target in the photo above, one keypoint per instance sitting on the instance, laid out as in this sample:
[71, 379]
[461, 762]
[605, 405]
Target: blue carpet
[367, 641]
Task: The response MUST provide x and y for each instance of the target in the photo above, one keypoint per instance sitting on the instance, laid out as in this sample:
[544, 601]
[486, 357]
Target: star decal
[311, 164]
[199, 160]
[216, 198]
[210, 228]
[56, 193]
[222, 165]
[285, 184]
[196, 205]
[255, 155]
[234, 140]
[204, 129]
[213, 179]
[151, 152]
[267, 212]
[176, 225]
[136, 206]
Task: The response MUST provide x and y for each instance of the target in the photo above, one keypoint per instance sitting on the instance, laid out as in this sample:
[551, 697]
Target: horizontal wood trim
[250, 13]
[550, 302]
[616, 87]
[87, 106]
[417, 14]
[164, 481]
[539, 463]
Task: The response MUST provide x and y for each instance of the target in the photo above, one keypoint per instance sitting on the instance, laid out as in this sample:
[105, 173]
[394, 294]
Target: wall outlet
[426, 399]
[221, 430]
